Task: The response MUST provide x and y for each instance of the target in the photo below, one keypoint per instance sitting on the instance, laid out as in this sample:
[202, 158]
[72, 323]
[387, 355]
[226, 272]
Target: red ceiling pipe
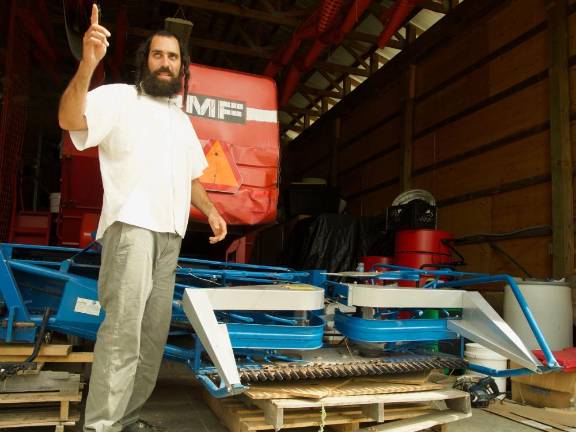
[297, 69]
[356, 10]
[306, 30]
[290, 83]
[329, 10]
[313, 53]
[397, 16]
[322, 41]
[385, 15]
[316, 25]
[336, 36]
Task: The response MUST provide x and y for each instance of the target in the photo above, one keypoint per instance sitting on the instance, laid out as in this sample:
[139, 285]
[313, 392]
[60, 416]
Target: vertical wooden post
[335, 153]
[408, 114]
[374, 63]
[560, 147]
[324, 108]
[347, 85]
[306, 120]
[451, 4]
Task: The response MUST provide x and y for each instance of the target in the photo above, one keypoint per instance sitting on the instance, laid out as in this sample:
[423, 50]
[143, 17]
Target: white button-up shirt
[149, 154]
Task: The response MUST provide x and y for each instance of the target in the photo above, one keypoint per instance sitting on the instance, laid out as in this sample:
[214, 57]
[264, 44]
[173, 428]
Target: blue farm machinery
[237, 324]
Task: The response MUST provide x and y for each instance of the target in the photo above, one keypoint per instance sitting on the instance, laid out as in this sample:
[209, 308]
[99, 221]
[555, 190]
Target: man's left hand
[218, 225]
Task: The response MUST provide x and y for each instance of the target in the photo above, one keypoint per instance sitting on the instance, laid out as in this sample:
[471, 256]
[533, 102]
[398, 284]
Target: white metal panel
[296, 297]
[480, 323]
[392, 296]
[214, 336]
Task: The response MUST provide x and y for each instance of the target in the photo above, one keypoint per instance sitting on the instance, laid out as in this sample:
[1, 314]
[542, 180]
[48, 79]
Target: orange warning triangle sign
[222, 173]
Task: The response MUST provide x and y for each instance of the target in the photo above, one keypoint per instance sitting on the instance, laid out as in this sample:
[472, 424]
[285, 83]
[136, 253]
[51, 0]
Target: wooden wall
[480, 135]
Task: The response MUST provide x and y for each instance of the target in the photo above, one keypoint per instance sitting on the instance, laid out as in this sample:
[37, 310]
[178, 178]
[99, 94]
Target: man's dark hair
[142, 62]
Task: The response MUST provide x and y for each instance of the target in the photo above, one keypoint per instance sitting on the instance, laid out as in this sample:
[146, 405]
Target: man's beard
[159, 87]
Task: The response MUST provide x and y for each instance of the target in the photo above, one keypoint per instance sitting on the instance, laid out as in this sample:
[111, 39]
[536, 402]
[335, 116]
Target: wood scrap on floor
[565, 416]
[538, 418]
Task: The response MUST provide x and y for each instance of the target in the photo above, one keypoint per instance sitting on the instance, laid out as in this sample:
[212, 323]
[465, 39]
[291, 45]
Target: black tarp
[335, 242]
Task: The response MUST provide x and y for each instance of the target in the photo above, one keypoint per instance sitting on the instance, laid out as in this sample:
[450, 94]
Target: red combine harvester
[235, 117]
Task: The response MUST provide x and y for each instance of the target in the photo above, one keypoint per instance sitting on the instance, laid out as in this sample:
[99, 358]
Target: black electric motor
[482, 390]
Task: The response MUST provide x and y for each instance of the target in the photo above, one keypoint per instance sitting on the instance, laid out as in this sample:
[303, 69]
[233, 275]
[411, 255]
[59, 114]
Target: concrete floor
[177, 406]
[485, 421]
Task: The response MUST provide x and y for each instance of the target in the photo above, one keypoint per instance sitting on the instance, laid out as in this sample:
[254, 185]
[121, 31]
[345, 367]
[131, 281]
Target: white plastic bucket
[55, 202]
[551, 305]
[482, 356]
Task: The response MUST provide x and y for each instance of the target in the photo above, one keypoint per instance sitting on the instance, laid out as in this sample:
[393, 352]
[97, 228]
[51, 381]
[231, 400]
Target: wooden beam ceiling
[260, 52]
[318, 92]
[373, 39]
[227, 32]
[295, 110]
[440, 7]
[232, 48]
[279, 17]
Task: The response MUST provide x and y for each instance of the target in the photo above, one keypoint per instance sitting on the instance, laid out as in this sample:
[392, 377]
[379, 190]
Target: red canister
[421, 249]
[422, 240]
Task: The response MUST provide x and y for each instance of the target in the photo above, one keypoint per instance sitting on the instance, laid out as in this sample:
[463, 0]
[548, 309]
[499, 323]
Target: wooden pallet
[51, 353]
[40, 400]
[416, 411]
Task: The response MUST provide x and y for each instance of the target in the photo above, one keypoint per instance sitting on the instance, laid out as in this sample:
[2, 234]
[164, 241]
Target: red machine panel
[81, 185]
[235, 117]
[81, 191]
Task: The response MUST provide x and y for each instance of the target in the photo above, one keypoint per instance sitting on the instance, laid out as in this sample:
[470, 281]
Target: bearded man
[150, 161]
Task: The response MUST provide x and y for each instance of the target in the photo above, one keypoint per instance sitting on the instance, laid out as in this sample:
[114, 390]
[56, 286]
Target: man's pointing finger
[94, 16]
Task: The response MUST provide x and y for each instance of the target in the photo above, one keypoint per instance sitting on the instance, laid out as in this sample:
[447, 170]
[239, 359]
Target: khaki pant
[135, 288]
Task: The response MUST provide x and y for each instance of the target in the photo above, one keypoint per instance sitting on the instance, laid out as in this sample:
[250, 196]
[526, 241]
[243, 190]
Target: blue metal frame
[499, 373]
[392, 330]
[29, 284]
[388, 330]
[17, 318]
